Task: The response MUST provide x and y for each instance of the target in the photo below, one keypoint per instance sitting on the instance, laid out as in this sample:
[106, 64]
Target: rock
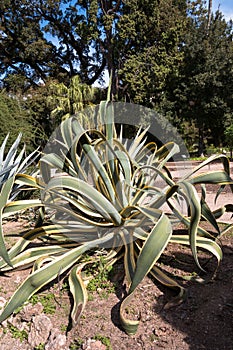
[40, 330]
[30, 310]
[9, 320]
[92, 344]
[2, 303]
[18, 279]
[57, 341]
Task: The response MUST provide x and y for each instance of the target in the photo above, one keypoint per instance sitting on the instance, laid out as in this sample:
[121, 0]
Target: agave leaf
[47, 273]
[137, 145]
[2, 151]
[129, 258]
[227, 208]
[75, 158]
[5, 173]
[129, 326]
[195, 208]
[28, 161]
[145, 153]
[201, 242]
[157, 203]
[91, 220]
[125, 163]
[152, 249]
[159, 172]
[54, 161]
[12, 152]
[42, 261]
[28, 236]
[141, 194]
[99, 202]
[208, 215]
[203, 192]
[16, 206]
[166, 152]
[226, 229]
[18, 159]
[153, 214]
[4, 196]
[83, 206]
[149, 254]
[208, 161]
[139, 233]
[216, 177]
[99, 167]
[28, 257]
[66, 131]
[27, 180]
[186, 220]
[169, 282]
[108, 120]
[219, 212]
[79, 293]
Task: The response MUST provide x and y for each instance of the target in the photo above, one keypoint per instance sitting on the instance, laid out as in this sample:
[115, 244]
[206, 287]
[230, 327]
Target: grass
[47, 300]
[201, 159]
[41, 346]
[104, 340]
[76, 344]
[100, 282]
[16, 333]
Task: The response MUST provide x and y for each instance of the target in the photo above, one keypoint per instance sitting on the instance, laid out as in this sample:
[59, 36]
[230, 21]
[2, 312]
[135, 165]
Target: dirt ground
[203, 321]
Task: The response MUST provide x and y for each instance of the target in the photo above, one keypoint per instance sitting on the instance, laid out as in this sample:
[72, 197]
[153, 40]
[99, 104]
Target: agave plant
[106, 199]
[12, 163]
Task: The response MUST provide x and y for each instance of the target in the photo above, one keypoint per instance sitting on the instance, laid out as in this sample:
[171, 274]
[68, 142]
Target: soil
[202, 321]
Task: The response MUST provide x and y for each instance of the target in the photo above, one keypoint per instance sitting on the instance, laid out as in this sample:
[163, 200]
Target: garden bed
[203, 321]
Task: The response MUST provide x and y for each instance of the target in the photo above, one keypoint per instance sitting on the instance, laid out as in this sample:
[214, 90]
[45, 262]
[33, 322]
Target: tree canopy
[15, 119]
[172, 55]
[60, 38]
[203, 90]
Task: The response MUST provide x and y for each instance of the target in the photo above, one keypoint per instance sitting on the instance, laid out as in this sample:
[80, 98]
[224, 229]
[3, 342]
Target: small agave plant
[104, 200]
[12, 163]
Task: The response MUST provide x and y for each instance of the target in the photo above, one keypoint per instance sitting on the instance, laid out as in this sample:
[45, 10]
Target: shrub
[104, 200]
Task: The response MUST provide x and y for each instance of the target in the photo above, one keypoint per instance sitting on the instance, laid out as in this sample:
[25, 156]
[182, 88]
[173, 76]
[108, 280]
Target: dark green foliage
[202, 92]
[18, 334]
[47, 300]
[26, 46]
[153, 32]
[172, 55]
[14, 119]
[229, 137]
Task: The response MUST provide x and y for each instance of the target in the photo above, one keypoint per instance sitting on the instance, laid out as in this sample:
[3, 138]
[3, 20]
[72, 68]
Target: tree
[229, 138]
[52, 38]
[152, 31]
[23, 48]
[210, 6]
[15, 119]
[66, 101]
[202, 92]
[61, 38]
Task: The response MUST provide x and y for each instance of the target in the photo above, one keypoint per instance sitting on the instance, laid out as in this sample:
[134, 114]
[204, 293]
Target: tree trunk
[210, 6]
[201, 141]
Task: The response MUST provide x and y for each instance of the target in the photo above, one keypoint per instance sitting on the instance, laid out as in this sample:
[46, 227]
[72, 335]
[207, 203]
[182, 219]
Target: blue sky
[226, 7]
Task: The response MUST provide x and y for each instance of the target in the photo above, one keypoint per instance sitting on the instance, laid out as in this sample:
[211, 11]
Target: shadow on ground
[206, 316]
